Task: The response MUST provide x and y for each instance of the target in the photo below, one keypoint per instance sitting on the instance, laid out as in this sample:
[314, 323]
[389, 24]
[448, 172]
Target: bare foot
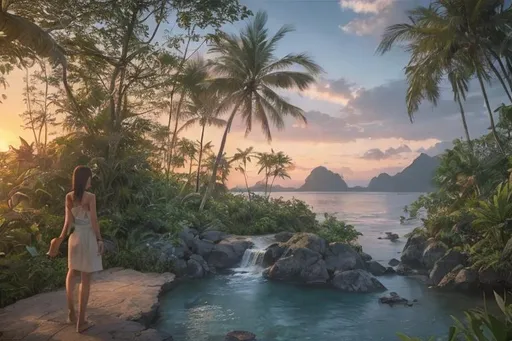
[71, 317]
[81, 327]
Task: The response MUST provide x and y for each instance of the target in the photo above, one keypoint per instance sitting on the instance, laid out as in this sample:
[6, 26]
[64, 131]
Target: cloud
[373, 16]
[339, 91]
[380, 113]
[377, 154]
[366, 6]
[437, 149]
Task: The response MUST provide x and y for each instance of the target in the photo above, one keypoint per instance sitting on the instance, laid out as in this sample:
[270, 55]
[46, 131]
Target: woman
[85, 245]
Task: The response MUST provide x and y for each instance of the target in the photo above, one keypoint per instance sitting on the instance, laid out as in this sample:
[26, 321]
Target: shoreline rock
[306, 258]
[123, 303]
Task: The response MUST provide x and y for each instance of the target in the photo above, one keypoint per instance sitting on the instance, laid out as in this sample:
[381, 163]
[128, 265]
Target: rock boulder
[228, 252]
[213, 236]
[375, 268]
[307, 240]
[433, 252]
[445, 265]
[412, 254]
[359, 281]
[343, 257]
[283, 237]
[197, 267]
[272, 254]
[301, 265]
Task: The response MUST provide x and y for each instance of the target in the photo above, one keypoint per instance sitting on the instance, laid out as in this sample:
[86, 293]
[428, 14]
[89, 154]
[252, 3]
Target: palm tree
[224, 168]
[248, 72]
[282, 163]
[193, 75]
[187, 149]
[244, 157]
[455, 34]
[203, 109]
[266, 162]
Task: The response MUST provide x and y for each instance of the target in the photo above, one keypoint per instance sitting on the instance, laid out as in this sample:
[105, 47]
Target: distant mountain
[260, 187]
[323, 180]
[417, 177]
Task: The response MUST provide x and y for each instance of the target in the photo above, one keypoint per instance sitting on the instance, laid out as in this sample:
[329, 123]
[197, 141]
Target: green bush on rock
[334, 230]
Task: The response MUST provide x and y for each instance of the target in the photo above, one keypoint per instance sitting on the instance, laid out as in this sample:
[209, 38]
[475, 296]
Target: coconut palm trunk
[199, 159]
[175, 132]
[213, 179]
[464, 123]
[246, 181]
[489, 111]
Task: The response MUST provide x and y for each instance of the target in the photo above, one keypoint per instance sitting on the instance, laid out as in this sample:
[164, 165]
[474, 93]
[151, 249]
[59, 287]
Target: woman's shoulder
[89, 195]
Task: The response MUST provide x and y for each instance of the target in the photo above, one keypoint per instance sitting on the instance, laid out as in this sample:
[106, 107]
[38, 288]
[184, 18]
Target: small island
[417, 177]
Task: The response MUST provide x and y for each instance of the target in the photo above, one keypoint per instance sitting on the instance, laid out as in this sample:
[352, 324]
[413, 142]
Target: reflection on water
[205, 310]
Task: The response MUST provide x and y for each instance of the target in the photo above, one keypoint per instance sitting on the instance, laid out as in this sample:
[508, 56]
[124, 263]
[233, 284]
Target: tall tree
[244, 157]
[248, 72]
[281, 165]
[193, 76]
[203, 109]
[459, 31]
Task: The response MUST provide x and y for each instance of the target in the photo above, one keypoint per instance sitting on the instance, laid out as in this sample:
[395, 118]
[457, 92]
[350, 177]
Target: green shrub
[334, 230]
[23, 276]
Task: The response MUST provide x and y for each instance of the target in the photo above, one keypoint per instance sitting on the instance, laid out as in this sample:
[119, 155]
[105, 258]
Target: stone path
[122, 305]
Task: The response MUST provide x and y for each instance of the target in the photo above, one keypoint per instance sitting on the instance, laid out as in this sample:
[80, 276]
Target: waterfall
[252, 258]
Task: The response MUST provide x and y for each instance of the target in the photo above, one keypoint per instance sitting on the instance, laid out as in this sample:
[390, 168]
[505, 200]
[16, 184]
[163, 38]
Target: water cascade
[252, 258]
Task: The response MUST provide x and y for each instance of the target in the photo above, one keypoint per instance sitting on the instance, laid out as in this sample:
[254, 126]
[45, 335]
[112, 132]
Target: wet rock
[228, 252]
[240, 336]
[202, 247]
[343, 257]
[283, 237]
[197, 267]
[214, 236]
[359, 281]
[403, 269]
[366, 257]
[412, 254]
[433, 252]
[272, 254]
[393, 299]
[188, 235]
[302, 265]
[390, 271]
[180, 266]
[391, 236]
[393, 262]
[445, 265]
[460, 279]
[375, 268]
[448, 281]
[307, 240]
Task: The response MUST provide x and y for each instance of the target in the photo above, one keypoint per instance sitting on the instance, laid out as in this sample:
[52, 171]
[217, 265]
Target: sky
[357, 120]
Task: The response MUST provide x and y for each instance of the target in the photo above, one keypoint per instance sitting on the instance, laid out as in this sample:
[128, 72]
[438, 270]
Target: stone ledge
[122, 306]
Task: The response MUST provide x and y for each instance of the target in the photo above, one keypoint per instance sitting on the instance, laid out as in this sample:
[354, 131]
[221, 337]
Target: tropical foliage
[148, 178]
[463, 43]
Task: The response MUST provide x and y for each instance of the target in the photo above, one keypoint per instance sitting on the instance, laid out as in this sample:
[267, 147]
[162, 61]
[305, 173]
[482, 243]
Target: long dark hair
[81, 175]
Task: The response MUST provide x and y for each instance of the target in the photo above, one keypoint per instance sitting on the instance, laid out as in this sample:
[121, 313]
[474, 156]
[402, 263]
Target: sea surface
[207, 309]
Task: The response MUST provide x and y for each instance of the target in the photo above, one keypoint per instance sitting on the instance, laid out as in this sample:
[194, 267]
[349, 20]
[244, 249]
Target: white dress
[82, 245]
